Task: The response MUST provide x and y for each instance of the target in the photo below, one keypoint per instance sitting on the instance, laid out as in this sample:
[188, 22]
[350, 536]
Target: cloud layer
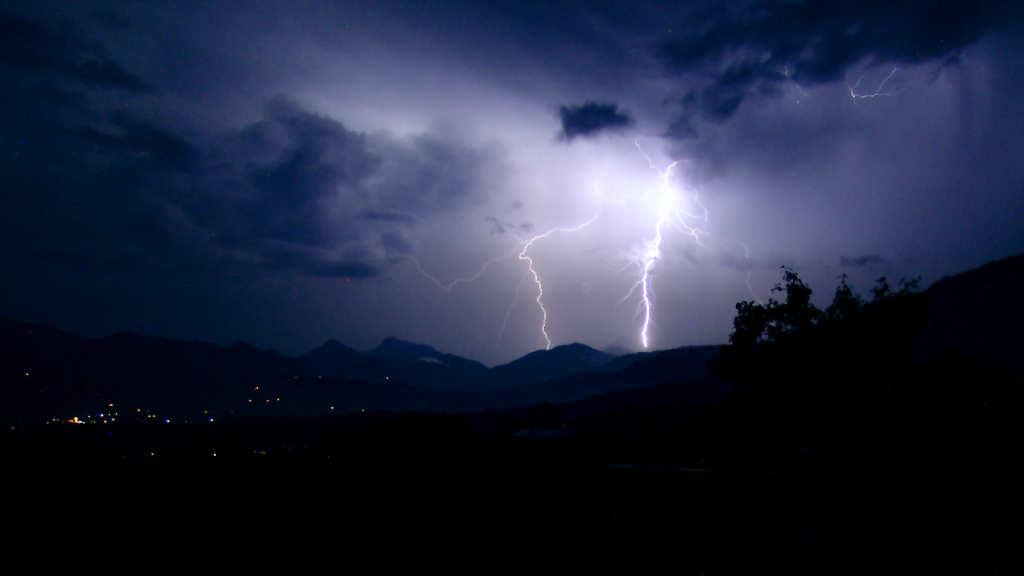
[285, 174]
[752, 50]
[590, 119]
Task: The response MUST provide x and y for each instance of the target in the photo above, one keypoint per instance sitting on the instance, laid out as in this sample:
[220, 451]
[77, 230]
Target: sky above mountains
[288, 172]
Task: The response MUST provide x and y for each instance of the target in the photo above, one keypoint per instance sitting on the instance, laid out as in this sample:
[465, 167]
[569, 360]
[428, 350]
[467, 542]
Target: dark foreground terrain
[681, 487]
[844, 441]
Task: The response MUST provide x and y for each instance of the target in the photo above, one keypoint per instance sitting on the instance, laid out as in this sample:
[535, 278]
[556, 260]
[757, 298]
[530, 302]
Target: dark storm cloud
[433, 173]
[132, 208]
[501, 227]
[390, 216]
[33, 47]
[396, 243]
[590, 119]
[860, 262]
[294, 191]
[138, 137]
[750, 50]
[339, 200]
[292, 168]
[312, 262]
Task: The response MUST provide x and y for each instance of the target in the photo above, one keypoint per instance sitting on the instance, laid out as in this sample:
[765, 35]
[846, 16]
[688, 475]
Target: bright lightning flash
[671, 213]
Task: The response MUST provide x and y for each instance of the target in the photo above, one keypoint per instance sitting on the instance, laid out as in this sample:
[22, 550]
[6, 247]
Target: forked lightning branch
[674, 210]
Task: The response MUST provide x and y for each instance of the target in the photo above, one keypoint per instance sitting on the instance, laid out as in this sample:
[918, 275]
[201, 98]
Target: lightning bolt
[521, 247]
[448, 287]
[536, 278]
[746, 254]
[508, 313]
[670, 213]
[785, 72]
[682, 212]
[878, 92]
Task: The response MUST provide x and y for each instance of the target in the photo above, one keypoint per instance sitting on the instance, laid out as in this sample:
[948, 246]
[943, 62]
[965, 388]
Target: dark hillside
[547, 365]
[981, 313]
[331, 359]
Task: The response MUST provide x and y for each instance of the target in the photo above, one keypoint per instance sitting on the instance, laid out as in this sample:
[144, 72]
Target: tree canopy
[790, 346]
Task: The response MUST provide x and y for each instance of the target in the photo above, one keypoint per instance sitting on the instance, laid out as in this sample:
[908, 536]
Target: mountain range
[49, 374]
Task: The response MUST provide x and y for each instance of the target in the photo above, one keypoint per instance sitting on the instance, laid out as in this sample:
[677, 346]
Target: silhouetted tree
[798, 369]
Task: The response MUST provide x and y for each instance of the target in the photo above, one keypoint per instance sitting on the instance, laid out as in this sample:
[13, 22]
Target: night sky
[286, 172]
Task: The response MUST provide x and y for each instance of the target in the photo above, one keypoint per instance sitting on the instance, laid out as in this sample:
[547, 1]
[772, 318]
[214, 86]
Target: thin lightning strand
[877, 93]
[508, 313]
[448, 287]
[746, 254]
[525, 245]
[536, 278]
[785, 72]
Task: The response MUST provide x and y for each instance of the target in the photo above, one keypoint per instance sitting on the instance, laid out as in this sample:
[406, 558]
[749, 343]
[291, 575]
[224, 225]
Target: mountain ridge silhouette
[48, 373]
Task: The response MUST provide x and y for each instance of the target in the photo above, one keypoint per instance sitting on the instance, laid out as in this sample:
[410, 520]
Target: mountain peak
[549, 364]
[332, 344]
[332, 358]
[394, 348]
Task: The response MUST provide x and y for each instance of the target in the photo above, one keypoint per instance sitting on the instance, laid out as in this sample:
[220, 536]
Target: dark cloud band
[30, 46]
[750, 51]
[860, 262]
[590, 119]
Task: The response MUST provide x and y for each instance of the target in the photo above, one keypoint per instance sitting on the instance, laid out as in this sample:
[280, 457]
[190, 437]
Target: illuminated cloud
[280, 184]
